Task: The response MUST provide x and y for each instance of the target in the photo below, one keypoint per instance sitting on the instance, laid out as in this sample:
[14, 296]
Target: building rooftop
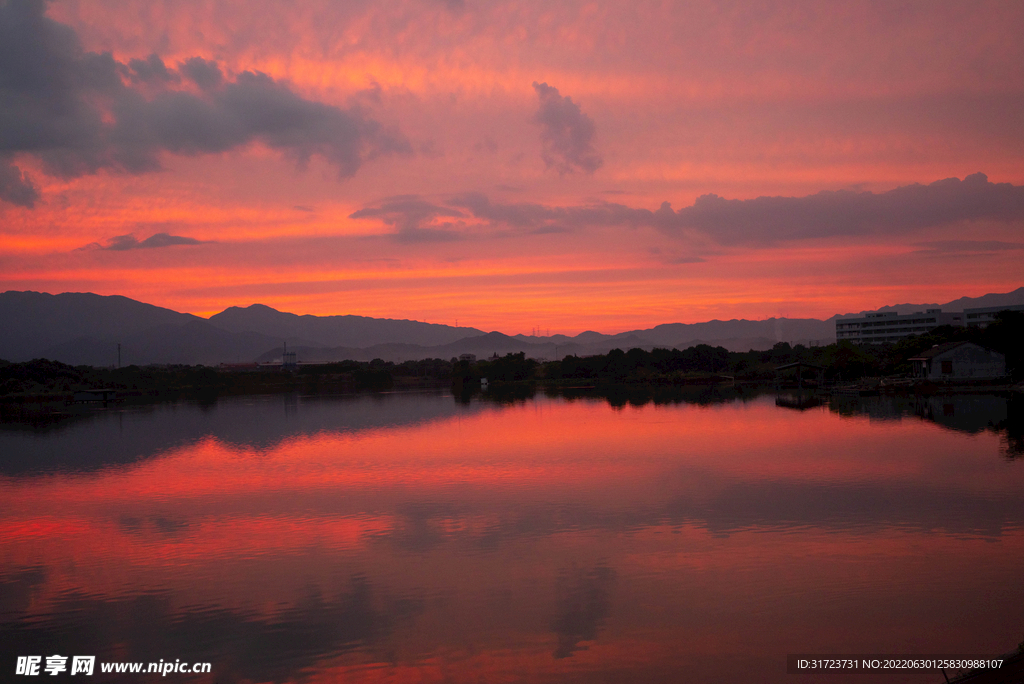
[940, 349]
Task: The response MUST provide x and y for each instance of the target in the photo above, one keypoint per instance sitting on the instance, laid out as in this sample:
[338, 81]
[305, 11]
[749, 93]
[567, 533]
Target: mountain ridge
[338, 330]
[86, 328]
[991, 299]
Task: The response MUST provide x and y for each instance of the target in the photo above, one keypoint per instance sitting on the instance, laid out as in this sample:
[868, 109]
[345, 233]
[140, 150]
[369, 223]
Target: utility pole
[118, 354]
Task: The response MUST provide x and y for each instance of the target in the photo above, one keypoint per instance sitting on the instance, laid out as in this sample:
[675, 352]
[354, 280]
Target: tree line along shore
[42, 380]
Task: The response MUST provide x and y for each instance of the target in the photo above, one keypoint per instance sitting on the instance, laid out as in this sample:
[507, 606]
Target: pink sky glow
[507, 164]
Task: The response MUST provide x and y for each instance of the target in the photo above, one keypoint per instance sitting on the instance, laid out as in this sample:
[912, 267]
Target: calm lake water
[415, 538]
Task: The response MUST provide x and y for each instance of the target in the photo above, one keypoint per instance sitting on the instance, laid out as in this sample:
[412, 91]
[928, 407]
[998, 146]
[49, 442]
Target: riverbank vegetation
[45, 380]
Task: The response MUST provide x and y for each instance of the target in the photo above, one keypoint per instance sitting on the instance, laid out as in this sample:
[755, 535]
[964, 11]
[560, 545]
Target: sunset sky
[512, 165]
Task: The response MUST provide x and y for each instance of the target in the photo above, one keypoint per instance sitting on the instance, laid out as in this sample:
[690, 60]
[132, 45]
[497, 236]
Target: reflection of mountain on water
[87, 442]
[970, 413]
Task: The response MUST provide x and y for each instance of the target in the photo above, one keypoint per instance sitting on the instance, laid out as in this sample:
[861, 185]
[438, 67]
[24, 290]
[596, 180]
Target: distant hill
[337, 331]
[793, 330]
[85, 328]
[994, 299]
[34, 324]
[195, 342]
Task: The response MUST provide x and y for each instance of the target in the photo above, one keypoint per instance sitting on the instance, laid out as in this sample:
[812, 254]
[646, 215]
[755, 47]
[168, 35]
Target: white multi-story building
[889, 326]
[981, 316]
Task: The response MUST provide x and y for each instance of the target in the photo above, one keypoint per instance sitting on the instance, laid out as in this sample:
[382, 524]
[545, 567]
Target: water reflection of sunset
[660, 533]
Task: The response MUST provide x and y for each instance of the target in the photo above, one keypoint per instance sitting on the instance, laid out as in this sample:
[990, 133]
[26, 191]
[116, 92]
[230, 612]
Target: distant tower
[288, 358]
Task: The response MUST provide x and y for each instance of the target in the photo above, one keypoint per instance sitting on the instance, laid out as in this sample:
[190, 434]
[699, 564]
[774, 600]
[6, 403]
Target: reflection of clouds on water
[146, 525]
[421, 527]
[721, 506]
[583, 602]
[16, 589]
[242, 646]
[858, 507]
[485, 535]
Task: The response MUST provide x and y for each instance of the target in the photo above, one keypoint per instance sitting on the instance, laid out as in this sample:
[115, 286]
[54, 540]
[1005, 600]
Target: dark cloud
[204, 73]
[445, 233]
[15, 187]
[567, 133]
[370, 94]
[965, 246]
[252, 107]
[79, 112]
[715, 220]
[686, 260]
[123, 243]
[550, 230]
[151, 70]
[519, 214]
[414, 218]
[42, 70]
[847, 213]
[529, 215]
[406, 212]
